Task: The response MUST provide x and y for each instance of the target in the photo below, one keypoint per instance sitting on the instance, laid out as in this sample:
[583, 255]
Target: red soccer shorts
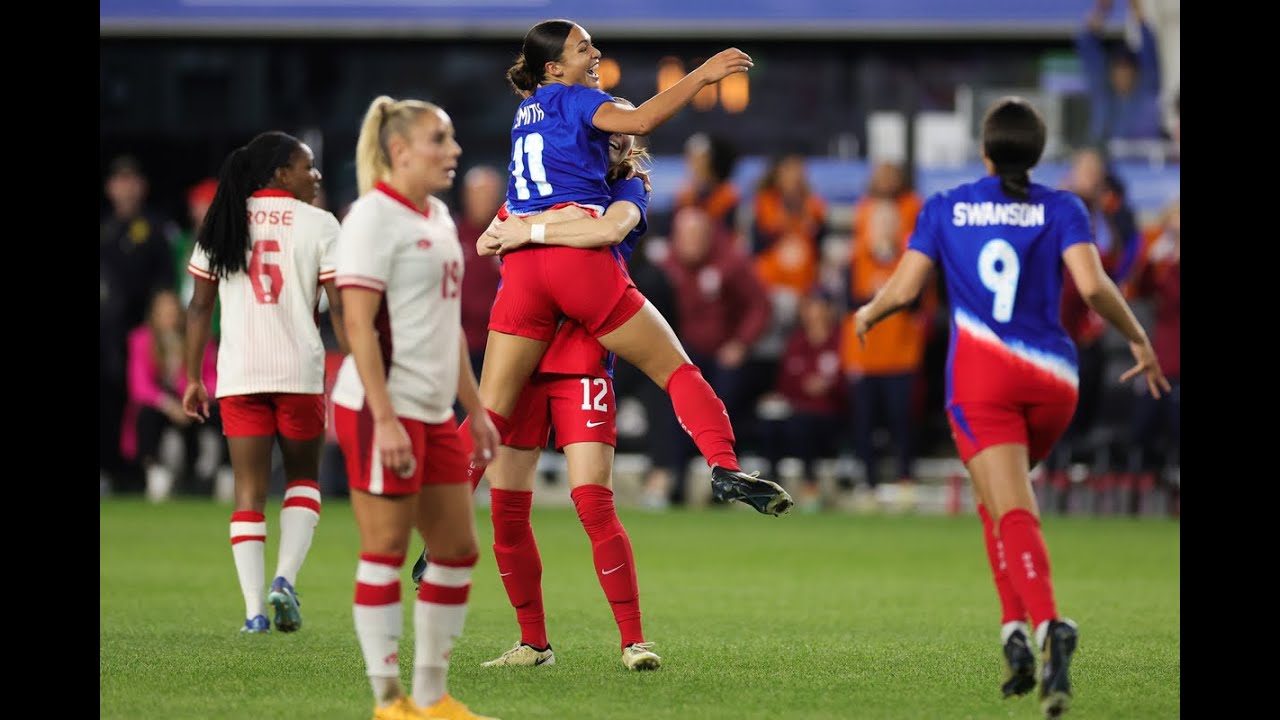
[580, 408]
[437, 454]
[543, 284]
[296, 416]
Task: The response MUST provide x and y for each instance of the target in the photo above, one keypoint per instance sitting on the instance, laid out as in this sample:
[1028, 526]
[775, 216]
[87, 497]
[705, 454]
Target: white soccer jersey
[270, 341]
[415, 260]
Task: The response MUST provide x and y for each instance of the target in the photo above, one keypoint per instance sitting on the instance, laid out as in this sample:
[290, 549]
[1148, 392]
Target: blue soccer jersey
[557, 155]
[631, 190]
[1002, 262]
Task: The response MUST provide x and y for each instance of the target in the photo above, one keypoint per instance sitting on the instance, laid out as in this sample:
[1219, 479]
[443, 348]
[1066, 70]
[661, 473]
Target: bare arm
[335, 315]
[195, 400]
[1101, 294]
[360, 307]
[903, 287]
[618, 118]
[583, 232]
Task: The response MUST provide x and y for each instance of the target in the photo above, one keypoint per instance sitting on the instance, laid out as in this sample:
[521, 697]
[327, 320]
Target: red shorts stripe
[303, 502]
[377, 594]
[441, 595]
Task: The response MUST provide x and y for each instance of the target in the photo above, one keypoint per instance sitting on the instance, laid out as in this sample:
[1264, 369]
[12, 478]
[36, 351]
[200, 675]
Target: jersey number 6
[265, 277]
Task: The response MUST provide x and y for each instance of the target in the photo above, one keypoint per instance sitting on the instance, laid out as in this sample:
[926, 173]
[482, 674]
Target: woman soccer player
[572, 391]
[560, 155]
[1011, 380]
[399, 269]
[263, 251]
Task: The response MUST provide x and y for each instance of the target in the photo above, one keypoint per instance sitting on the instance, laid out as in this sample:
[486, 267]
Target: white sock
[248, 538]
[379, 621]
[438, 618]
[298, 519]
[1042, 632]
[1009, 628]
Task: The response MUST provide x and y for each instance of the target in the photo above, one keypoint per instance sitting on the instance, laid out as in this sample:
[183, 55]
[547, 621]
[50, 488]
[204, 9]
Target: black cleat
[420, 567]
[1055, 678]
[765, 496]
[1019, 665]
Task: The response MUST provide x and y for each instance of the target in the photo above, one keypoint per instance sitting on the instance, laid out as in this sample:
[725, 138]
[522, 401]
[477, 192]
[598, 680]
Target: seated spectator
[813, 389]
[787, 230]
[157, 377]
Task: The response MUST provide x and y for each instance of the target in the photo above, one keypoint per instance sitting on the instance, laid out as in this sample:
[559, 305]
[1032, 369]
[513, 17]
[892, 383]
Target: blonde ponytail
[386, 116]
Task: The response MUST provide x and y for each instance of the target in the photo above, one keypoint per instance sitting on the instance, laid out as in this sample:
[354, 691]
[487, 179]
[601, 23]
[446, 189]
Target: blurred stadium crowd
[758, 261]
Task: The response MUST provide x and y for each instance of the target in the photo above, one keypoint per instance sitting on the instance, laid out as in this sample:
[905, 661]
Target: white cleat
[640, 656]
[523, 656]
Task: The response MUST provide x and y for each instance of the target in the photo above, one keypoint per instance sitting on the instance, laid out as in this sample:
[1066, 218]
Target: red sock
[611, 551]
[1011, 607]
[519, 563]
[703, 416]
[1028, 564]
[475, 471]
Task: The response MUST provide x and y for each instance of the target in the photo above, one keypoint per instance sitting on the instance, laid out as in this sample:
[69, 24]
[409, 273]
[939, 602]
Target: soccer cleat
[765, 496]
[420, 567]
[402, 709]
[640, 656]
[1058, 646]
[256, 624]
[285, 601]
[446, 708]
[523, 655]
[1019, 664]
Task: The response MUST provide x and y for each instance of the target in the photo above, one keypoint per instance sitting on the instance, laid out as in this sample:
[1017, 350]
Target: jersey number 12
[529, 146]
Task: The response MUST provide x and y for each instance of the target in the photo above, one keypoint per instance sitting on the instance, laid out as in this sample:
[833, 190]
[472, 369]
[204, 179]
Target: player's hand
[510, 234]
[732, 354]
[862, 324]
[195, 401]
[644, 176]
[391, 442]
[724, 64]
[485, 439]
[1149, 366]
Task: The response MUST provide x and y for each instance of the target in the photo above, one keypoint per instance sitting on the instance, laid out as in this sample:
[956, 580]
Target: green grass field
[806, 616]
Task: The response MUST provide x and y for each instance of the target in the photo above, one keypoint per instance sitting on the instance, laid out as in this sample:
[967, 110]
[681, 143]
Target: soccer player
[572, 391]
[264, 251]
[560, 155]
[399, 268]
[1002, 243]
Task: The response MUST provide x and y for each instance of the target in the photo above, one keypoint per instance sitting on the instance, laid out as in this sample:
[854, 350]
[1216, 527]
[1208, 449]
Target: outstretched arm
[618, 118]
[903, 287]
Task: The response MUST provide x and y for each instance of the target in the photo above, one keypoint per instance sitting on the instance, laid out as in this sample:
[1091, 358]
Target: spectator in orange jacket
[787, 230]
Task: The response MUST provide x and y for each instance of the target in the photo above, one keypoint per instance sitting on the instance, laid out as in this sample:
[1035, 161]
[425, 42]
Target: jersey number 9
[998, 268]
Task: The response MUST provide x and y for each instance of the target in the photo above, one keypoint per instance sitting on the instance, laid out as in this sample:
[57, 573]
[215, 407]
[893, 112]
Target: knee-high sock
[380, 621]
[298, 519]
[1011, 607]
[519, 563]
[248, 538]
[438, 617]
[702, 415]
[1027, 561]
[615, 563]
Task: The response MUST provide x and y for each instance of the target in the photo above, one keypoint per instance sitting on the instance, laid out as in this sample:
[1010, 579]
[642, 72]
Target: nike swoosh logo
[598, 423]
[606, 572]
[505, 574]
[541, 660]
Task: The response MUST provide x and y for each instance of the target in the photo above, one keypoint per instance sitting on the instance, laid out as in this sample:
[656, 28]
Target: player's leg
[515, 549]
[584, 414]
[447, 524]
[300, 419]
[646, 340]
[249, 425]
[384, 506]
